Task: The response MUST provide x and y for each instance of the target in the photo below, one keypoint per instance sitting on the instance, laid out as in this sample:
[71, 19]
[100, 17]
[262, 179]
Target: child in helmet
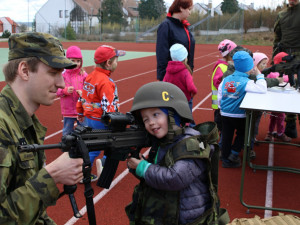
[74, 79]
[174, 187]
[225, 47]
[231, 92]
[178, 72]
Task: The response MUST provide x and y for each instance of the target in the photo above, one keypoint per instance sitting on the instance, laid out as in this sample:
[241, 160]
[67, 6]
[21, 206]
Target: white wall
[6, 24]
[47, 18]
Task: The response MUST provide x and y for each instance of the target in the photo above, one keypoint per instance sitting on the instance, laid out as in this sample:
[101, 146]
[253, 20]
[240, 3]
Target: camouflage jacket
[287, 29]
[26, 189]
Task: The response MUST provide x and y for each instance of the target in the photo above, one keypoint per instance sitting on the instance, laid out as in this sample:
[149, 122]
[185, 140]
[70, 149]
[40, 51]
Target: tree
[112, 11]
[70, 33]
[230, 6]
[149, 9]
[6, 34]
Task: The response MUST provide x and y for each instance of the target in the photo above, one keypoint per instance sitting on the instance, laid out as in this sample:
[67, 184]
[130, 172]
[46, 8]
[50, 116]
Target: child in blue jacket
[231, 93]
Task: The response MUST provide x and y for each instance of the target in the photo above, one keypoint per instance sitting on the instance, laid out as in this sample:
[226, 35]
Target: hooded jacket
[169, 32]
[72, 77]
[178, 74]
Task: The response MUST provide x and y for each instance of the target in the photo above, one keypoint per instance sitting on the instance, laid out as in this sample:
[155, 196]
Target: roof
[89, 6]
[131, 6]
[9, 20]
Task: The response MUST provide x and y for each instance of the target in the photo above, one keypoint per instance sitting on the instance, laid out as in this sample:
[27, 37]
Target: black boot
[291, 129]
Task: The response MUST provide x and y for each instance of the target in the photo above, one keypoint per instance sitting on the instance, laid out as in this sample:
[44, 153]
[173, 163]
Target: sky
[25, 10]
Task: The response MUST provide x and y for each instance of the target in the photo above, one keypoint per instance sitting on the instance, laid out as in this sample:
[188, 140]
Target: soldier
[287, 34]
[33, 75]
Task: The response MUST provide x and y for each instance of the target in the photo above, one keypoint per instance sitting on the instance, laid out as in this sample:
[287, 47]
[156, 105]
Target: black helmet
[162, 94]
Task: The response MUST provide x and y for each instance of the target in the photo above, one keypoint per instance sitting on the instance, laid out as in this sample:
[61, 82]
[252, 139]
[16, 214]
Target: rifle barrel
[36, 147]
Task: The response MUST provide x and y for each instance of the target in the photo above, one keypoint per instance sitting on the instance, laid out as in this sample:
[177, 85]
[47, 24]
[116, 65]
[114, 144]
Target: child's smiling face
[156, 122]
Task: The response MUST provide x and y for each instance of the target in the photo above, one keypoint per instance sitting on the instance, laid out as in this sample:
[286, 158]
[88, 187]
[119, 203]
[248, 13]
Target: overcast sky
[25, 10]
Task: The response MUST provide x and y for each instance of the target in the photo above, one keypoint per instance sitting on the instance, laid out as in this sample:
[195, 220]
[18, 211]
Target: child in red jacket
[99, 94]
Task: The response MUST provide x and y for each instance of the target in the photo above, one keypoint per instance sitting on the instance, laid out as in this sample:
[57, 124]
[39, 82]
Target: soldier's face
[43, 84]
[293, 3]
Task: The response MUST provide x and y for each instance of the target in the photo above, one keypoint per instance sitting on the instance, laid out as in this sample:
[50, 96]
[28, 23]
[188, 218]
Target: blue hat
[178, 52]
[243, 62]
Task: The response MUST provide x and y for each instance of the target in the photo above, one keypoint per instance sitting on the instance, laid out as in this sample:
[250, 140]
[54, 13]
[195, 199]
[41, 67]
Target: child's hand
[80, 118]
[70, 89]
[255, 71]
[79, 92]
[280, 79]
[132, 162]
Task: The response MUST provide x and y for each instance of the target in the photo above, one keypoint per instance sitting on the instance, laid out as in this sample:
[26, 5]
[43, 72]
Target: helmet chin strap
[168, 139]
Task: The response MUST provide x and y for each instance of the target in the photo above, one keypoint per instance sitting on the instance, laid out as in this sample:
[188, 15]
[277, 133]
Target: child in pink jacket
[179, 73]
[74, 79]
[277, 118]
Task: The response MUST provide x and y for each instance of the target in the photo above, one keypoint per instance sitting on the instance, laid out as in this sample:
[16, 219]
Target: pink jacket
[276, 74]
[72, 77]
[178, 74]
[219, 73]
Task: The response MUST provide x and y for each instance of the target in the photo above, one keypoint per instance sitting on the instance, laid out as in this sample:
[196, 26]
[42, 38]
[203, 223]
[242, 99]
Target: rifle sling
[88, 190]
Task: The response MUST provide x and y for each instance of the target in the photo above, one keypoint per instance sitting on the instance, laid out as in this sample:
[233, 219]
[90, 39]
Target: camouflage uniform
[23, 181]
[26, 188]
[287, 35]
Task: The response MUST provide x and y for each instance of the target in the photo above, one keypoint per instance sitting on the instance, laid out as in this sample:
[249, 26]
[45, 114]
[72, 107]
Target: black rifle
[123, 137]
[290, 67]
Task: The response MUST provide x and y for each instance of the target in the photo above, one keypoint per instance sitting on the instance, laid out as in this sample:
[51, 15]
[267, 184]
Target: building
[8, 24]
[83, 15]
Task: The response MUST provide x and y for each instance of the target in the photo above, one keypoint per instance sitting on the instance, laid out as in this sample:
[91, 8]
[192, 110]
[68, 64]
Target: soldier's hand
[66, 170]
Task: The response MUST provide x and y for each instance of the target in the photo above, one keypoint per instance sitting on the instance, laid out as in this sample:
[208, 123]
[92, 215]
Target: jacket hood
[175, 67]
[220, 61]
[74, 52]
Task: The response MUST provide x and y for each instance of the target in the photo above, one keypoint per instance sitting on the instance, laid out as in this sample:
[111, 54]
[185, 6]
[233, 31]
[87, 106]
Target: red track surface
[110, 208]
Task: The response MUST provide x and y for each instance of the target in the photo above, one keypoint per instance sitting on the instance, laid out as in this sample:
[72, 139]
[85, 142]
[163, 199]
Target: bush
[6, 34]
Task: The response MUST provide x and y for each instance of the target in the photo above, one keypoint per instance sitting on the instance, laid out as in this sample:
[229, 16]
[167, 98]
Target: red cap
[106, 52]
[278, 58]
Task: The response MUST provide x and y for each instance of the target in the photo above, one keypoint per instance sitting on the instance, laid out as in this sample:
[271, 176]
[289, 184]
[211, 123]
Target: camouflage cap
[44, 46]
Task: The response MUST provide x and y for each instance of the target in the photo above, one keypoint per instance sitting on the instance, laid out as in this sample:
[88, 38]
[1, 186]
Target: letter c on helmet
[165, 96]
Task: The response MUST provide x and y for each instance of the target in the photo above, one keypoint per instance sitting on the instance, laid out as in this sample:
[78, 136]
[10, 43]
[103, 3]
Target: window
[66, 14]
[60, 14]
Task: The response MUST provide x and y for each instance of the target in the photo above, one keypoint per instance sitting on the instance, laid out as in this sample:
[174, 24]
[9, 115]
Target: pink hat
[73, 52]
[258, 56]
[278, 57]
[106, 52]
[226, 46]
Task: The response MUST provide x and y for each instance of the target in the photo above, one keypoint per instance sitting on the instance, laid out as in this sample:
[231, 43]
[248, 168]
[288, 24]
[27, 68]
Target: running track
[282, 188]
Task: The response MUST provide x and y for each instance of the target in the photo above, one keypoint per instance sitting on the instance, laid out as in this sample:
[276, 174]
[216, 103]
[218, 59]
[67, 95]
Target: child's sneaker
[284, 138]
[234, 158]
[269, 137]
[252, 154]
[99, 167]
[230, 164]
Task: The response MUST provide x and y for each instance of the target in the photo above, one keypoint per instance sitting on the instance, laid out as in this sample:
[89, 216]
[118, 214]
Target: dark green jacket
[287, 28]
[26, 189]
[271, 82]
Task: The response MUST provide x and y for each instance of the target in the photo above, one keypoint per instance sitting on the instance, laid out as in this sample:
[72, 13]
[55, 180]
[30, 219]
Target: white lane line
[269, 186]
